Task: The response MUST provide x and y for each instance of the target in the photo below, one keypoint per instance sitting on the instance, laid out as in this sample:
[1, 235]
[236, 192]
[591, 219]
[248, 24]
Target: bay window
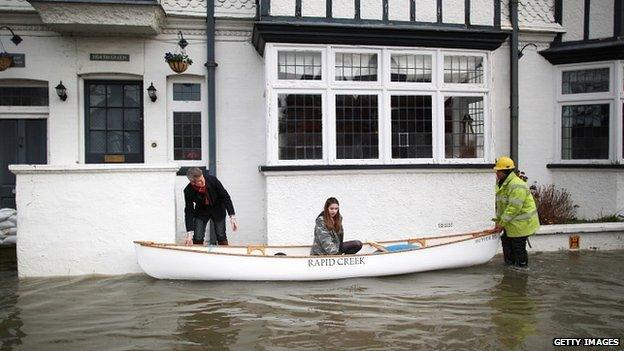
[367, 105]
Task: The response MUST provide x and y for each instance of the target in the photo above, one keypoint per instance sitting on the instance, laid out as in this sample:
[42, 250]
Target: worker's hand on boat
[496, 229]
[233, 223]
[189, 239]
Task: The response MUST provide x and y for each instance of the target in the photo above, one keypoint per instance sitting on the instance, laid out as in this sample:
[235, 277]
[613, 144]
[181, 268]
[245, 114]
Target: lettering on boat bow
[486, 238]
[342, 261]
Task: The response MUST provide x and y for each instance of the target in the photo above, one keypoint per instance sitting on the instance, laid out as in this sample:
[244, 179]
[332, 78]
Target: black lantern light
[16, 39]
[61, 91]
[151, 91]
[182, 42]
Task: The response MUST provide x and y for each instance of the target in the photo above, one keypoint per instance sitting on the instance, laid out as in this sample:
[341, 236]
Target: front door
[22, 141]
[113, 122]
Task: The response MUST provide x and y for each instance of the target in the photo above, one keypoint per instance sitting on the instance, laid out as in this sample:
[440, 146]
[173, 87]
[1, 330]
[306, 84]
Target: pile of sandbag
[8, 226]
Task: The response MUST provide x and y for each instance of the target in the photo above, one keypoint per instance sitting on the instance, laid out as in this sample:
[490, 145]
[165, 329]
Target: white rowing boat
[260, 262]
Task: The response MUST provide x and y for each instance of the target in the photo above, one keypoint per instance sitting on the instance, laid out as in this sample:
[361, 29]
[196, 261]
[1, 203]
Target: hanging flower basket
[5, 61]
[178, 62]
[178, 66]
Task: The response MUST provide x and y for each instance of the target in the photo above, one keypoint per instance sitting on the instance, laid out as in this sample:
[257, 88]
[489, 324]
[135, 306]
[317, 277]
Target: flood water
[488, 307]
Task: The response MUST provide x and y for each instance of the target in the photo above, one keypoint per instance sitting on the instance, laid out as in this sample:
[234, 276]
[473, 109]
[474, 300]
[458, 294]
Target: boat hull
[165, 262]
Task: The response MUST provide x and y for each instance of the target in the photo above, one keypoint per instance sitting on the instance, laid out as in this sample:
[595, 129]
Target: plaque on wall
[114, 158]
[19, 60]
[109, 57]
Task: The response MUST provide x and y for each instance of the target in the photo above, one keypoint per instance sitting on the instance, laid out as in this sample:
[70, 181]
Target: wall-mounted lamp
[521, 53]
[61, 91]
[182, 42]
[16, 39]
[151, 91]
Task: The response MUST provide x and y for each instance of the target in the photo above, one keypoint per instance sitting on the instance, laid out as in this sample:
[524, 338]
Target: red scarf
[202, 191]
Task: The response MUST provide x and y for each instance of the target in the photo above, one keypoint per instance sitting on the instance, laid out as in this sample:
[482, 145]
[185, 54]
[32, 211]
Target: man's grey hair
[193, 172]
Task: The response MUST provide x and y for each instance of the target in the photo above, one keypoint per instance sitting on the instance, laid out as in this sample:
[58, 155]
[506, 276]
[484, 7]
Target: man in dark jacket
[206, 200]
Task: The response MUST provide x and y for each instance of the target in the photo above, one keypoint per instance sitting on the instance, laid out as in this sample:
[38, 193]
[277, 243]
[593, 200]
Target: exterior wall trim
[460, 166]
[371, 33]
[589, 51]
[90, 168]
[584, 166]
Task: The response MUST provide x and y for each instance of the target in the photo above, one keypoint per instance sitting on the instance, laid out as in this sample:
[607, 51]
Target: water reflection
[485, 307]
[514, 314]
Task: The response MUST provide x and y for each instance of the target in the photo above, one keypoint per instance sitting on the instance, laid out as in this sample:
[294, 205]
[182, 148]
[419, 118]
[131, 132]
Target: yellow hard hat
[504, 162]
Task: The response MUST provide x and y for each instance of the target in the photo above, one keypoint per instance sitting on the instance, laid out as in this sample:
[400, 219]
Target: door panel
[113, 122]
[22, 141]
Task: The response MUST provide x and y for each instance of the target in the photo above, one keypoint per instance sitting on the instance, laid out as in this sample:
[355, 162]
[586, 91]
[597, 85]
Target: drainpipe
[210, 76]
[513, 99]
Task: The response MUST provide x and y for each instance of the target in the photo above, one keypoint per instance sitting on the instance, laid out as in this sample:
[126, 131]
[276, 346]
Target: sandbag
[13, 219]
[5, 213]
[6, 224]
[10, 240]
[10, 231]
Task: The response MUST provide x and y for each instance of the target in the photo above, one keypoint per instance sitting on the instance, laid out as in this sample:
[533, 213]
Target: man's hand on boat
[189, 239]
[233, 223]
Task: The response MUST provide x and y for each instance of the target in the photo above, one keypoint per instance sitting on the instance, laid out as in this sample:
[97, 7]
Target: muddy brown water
[488, 307]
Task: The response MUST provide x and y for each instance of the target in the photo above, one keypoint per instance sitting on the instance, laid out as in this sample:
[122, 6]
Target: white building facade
[396, 107]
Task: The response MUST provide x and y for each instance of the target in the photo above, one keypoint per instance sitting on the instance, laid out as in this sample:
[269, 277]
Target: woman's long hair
[333, 224]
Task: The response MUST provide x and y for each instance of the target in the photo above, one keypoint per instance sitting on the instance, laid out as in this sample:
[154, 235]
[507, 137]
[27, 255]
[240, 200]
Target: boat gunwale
[175, 247]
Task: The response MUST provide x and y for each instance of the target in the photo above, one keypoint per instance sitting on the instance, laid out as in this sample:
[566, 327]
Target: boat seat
[421, 242]
[260, 248]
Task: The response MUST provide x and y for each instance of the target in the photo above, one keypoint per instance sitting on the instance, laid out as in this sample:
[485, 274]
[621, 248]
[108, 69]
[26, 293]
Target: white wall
[371, 9]
[595, 191]
[313, 8]
[426, 11]
[380, 205]
[536, 113]
[241, 140]
[82, 219]
[399, 10]
[482, 12]
[601, 19]
[343, 9]
[573, 15]
[453, 11]
[500, 100]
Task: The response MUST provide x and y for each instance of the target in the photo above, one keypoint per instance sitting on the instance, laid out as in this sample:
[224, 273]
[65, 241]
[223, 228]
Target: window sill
[584, 166]
[183, 169]
[459, 166]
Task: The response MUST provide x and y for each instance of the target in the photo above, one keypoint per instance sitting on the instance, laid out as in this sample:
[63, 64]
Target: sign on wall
[19, 60]
[109, 57]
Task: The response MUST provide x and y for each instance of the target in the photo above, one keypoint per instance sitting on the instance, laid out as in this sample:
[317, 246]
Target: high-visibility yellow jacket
[515, 208]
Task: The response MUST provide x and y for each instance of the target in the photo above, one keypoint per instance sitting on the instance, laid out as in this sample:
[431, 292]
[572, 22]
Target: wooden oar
[377, 246]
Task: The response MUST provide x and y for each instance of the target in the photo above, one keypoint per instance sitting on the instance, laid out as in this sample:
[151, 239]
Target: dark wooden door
[22, 141]
[114, 122]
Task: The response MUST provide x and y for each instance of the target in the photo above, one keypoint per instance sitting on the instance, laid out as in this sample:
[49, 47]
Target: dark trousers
[350, 247]
[200, 231]
[514, 251]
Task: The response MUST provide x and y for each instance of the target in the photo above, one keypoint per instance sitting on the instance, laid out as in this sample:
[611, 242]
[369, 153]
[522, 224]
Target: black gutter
[210, 77]
[513, 81]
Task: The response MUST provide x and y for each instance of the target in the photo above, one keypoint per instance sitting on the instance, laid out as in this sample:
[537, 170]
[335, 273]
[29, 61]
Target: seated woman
[329, 233]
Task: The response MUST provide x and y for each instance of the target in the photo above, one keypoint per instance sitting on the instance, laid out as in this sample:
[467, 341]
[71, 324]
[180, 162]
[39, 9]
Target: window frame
[200, 106]
[272, 70]
[487, 130]
[388, 127]
[410, 85]
[598, 98]
[329, 88]
[273, 126]
[481, 87]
